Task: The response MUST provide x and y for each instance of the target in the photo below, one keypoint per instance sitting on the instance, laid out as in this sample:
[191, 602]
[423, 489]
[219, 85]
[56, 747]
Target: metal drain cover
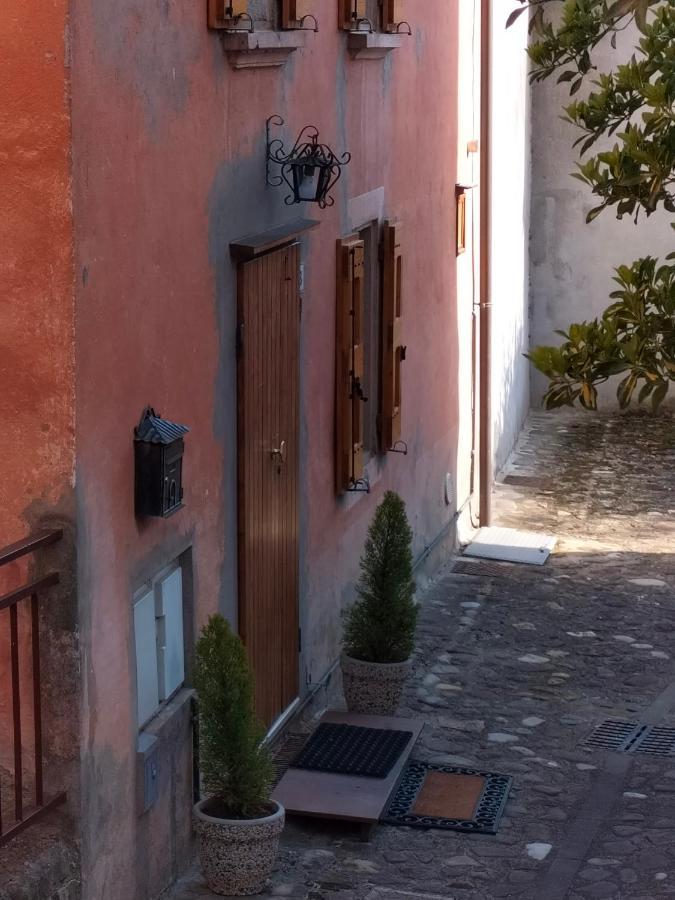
[533, 481]
[633, 737]
[484, 569]
[659, 740]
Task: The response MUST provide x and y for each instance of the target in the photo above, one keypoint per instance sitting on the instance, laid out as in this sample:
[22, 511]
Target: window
[382, 15]
[369, 351]
[159, 642]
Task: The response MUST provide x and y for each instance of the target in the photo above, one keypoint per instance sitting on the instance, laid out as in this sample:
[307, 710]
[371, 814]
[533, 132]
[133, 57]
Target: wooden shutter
[224, 13]
[293, 12]
[460, 195]
[393, 352]
[392, 14]
[349, 397]
[350, 11]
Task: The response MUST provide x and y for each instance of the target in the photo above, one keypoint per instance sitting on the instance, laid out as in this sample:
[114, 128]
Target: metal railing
[26, 596]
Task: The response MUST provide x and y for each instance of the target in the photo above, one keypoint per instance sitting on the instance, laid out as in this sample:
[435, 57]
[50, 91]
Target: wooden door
[268, 437]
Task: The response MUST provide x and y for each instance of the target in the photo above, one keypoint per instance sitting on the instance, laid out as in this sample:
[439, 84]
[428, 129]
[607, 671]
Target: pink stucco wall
[168, 168]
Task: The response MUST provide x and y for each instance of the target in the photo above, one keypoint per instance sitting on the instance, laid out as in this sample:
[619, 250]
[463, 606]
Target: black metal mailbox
[159, 451]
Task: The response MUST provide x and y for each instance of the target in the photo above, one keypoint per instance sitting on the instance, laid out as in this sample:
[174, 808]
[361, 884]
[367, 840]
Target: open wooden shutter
[392, 14]
[393, 352]
[349, 12]
[349, 398]
[293, 12]
[224, 13]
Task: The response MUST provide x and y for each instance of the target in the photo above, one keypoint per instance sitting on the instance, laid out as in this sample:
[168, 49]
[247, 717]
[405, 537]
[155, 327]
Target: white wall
[468, 82]
[510, 191]
[571, 263]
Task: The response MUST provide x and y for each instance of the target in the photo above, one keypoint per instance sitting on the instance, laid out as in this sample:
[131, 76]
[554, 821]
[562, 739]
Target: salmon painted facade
[148, 263]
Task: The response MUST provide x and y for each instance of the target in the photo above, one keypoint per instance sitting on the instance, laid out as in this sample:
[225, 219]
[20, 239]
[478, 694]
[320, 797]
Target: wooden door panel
[268, 415]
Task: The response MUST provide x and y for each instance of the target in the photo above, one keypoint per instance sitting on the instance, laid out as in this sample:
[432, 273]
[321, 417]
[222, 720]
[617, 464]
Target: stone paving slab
[514, 671]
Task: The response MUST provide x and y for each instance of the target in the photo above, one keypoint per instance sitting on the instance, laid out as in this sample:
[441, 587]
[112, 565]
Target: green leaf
[514, 15]
[625, 390]
[594, 213]
[659, 394]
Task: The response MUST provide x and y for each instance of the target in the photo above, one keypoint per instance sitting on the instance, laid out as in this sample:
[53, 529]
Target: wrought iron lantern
[159, 450]
[310, 169]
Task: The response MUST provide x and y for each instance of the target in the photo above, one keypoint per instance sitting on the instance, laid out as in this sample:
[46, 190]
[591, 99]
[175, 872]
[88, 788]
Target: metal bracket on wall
[361, 485]
[399, 447]
[301, 24]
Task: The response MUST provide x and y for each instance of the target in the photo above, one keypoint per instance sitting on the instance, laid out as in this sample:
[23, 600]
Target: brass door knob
[280, 452]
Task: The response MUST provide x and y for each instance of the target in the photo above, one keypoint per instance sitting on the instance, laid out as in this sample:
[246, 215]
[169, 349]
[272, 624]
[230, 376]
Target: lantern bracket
[303, 27]
[306, 151]
[358, 486]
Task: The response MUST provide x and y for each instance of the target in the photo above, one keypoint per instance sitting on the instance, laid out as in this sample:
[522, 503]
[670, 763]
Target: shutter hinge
[240, 338]
[299, 640]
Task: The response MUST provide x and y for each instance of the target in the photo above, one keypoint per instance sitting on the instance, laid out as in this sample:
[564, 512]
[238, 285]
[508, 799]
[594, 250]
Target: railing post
[37, 700]
[16, 712]
[10, 602]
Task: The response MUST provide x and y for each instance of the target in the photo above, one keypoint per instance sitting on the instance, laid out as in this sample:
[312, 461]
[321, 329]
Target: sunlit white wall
[510, 187]
[572, 263]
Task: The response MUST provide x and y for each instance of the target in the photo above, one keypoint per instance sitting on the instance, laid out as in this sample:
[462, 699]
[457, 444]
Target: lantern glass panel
[306, 181]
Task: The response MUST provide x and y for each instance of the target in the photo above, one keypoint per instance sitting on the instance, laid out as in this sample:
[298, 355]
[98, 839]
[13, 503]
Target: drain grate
[633, 737]
[659, 740]
[615, 735]
[533, 481]
[483, 569]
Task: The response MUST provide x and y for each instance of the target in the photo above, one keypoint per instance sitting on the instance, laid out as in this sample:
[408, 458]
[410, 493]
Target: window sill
[364, 45]
[261, 49]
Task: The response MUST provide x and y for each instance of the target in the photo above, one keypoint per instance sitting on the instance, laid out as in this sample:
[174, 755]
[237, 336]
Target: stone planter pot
[237, 855]
[373, 688]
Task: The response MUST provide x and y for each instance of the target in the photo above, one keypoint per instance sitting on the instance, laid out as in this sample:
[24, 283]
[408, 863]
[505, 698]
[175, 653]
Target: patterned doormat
[429, 796]
[353, 750]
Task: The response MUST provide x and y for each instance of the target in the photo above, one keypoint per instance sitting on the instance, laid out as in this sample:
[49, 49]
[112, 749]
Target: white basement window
[160, 647]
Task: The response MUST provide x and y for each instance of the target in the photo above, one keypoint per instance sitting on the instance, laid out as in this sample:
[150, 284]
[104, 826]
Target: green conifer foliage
[380, 625]
[236, 766]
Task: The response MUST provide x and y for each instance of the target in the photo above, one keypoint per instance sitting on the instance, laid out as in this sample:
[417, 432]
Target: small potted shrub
[379, 634]
[237, 824]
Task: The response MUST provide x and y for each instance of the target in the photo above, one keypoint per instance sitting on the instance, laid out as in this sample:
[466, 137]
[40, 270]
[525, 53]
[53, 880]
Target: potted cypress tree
[379, 633]
[237, 824]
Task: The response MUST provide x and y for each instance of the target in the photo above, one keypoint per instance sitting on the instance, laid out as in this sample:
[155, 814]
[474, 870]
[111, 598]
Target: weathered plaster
[36, 371]
[166, 175]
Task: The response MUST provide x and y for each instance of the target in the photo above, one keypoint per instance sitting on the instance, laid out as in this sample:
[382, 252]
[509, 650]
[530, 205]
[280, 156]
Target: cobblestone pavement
[514, 671]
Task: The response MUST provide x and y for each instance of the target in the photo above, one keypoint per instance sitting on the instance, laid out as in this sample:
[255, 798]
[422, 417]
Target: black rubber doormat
[429, 796]
[353, 750]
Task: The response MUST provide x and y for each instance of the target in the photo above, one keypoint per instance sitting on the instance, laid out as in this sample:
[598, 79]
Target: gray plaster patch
[533, 659]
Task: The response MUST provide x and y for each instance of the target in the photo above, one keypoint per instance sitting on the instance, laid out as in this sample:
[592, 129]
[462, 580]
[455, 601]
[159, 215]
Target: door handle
[279, 452]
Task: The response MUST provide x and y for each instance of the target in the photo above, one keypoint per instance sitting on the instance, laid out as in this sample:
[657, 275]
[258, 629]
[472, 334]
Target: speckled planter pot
[373, 688]
[237, 855]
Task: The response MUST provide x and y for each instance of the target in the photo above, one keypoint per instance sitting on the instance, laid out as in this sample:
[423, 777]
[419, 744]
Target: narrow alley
[514, 670]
